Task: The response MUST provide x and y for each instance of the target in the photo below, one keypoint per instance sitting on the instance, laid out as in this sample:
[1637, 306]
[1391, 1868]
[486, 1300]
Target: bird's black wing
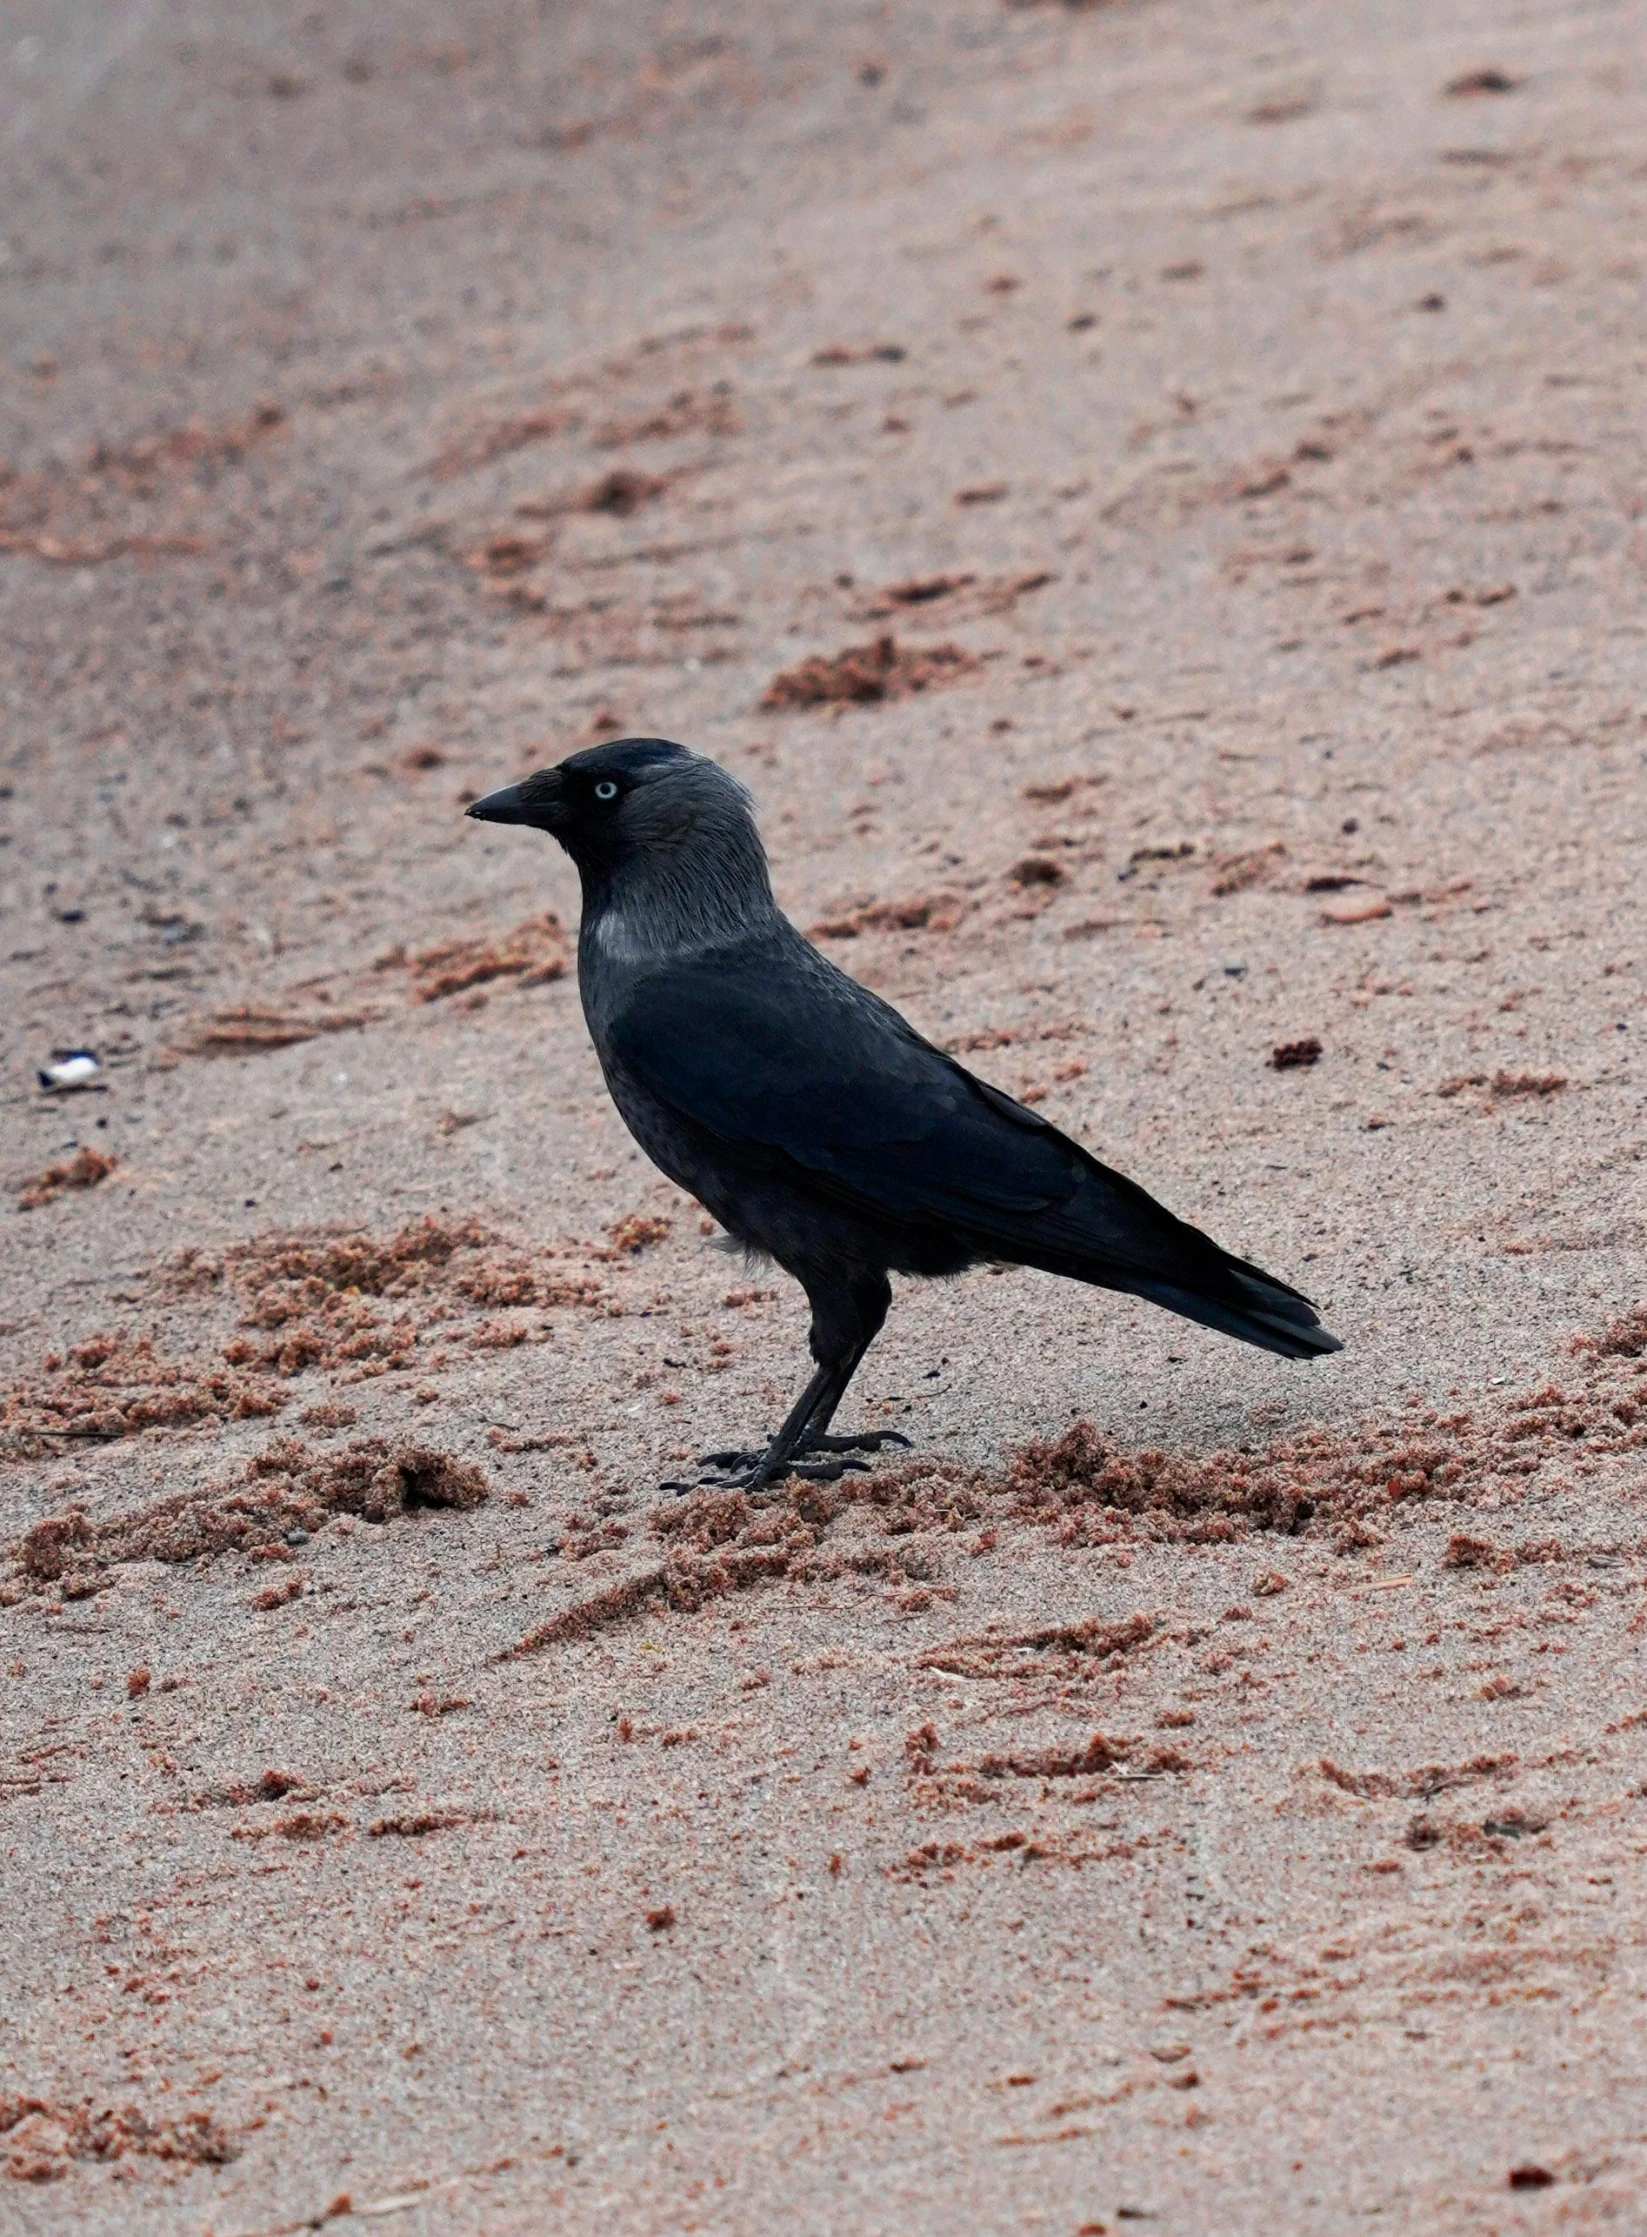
[827, 1079]
[805, 1071]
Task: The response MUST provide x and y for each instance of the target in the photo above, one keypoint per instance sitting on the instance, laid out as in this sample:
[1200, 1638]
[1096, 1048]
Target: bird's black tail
[1112, 1233]
[1259, 1311]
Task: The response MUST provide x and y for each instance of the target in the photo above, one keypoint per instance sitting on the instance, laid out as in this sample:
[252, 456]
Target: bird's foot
[763, 1488]
[866, 1440]
[750, 1474]
[821, 1460]
[740, 1461]
[742, 1458]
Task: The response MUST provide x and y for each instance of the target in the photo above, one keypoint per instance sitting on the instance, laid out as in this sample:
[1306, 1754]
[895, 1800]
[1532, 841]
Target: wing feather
[856, 1103]
[788, 1063]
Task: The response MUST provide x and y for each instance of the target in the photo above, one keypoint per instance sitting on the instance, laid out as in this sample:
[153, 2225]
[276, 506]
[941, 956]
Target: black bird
[816, 1125]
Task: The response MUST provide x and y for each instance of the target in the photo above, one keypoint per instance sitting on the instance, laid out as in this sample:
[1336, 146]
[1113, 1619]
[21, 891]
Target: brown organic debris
[624, 490]
[1508, 1084]
[1471, 83]
[294, 1825]
[620, 491]
[921, 590]
[252, 1032]
[271, 1785]
[1074, 1846]
[1235, 873]
[278, 1273]
[315, 1297]
[281, 1594]
[287, 1487]
[1084, 1488]
[1052, 790]
[636, 1232]
[1624, 1338]
[1079, 1478]
[1177, 850]
[963, 1780]
[965, 595]
[506, 555]
[40, 2138]
[682, 1585]
[922, 912]
[84, 1170]
[867, 674]
[687, 411]
[1057, 1649]
[533, 954]
[147, 499]
[112, 1384]
[1467, 1552]
[497, 438]
[1421, 1785]
[1294, 1056]
[1098, 1754]
[1085, 1491]
[721, 1545]
[864, 353]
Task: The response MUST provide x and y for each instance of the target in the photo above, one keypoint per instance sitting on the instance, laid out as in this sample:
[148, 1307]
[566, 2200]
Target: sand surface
[1186, 1789]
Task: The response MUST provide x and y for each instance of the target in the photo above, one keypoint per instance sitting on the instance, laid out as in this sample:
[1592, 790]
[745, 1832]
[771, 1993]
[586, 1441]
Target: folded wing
[800, 1068]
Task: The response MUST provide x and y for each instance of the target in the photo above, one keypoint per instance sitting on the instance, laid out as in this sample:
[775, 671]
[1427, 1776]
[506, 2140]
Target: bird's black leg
[747, 1470]
[846, 1319]
[817, 1438]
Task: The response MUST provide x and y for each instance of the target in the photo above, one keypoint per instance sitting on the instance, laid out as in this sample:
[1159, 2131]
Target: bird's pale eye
[606, 789]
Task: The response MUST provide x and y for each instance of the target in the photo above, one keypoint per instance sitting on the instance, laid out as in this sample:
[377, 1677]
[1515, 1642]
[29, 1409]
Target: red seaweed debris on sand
[287, 1487]
[1085, 1490]
[866, 674]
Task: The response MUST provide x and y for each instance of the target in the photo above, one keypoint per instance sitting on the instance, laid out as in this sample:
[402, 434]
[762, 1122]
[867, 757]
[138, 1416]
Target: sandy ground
[1186, 1789]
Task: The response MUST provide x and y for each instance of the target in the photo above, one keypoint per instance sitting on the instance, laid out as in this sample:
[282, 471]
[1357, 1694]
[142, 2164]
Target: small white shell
[74, 1068]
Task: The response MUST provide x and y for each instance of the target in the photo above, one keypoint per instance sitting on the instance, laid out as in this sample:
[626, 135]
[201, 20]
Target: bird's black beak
[502, 806]
[538, 800]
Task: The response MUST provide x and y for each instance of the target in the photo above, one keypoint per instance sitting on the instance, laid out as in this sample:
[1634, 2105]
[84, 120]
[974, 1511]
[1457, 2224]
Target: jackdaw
[817, 1126]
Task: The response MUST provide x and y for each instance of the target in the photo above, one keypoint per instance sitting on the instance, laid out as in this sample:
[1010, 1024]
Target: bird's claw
[866, 1440]
[731, 1462]
[763, 1490]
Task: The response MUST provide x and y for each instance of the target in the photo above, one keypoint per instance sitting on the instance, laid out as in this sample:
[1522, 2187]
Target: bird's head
[635, 805]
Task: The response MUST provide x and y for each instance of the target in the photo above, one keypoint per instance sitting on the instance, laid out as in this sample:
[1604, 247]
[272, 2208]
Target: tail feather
[1008, 1185]
[1176, 1266]
[1276, 1319]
